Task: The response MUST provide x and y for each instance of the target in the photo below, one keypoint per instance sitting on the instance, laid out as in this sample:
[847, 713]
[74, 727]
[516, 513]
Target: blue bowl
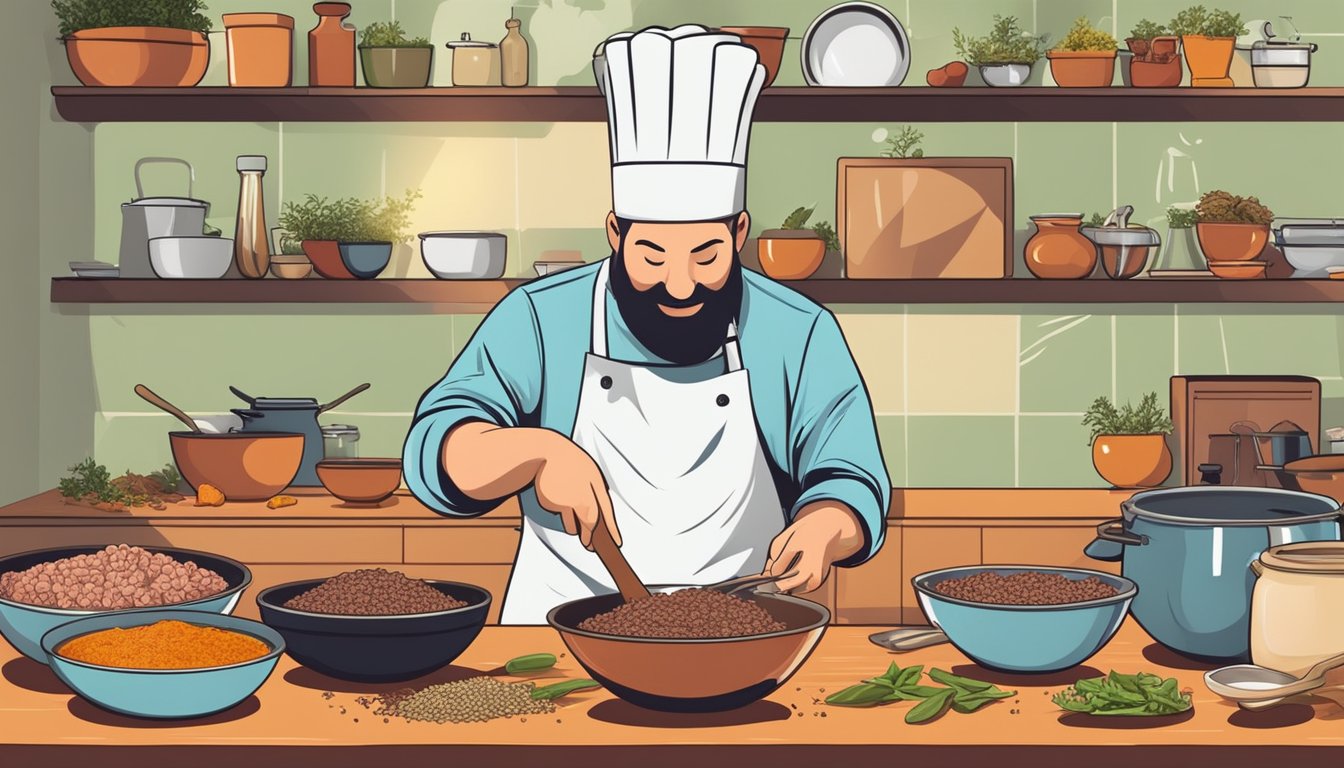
[365, 260]
[163, 693]
[24, 625]
[1025, 638]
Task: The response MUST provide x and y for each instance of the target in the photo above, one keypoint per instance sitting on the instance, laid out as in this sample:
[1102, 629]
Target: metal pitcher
[148, 217]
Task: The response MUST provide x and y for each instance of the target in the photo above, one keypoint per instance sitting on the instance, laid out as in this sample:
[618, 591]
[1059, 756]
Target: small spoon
[904, 639]
[730, 586]
[1256, 687]
[155, 400]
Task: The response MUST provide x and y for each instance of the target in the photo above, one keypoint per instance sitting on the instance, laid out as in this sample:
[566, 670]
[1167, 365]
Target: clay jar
[1058, 251]
[331, 47]
[1156, 62]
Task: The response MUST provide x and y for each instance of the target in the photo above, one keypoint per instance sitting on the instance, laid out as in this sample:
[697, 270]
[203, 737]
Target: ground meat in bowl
[685, 614]
[1026, 588]
[114, 578]
[373, 592]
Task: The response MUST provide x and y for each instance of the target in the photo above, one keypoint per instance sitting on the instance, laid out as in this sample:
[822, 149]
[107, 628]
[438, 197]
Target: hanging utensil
[159, 402]
[323, 409]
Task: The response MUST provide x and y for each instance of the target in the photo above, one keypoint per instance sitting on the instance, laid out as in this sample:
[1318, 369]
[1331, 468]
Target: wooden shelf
[479, 296]
[783, 104]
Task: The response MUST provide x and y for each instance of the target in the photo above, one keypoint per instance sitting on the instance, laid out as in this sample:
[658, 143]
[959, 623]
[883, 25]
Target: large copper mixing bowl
[693, 675]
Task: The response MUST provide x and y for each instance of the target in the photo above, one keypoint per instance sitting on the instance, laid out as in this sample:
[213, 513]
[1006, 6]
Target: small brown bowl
[1238, 270]
[769, 45]
[291, 267]
[1322, 475]
[360, 481]
[1230, 241]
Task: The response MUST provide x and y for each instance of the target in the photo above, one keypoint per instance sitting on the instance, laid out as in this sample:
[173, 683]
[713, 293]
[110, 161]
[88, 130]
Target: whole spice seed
[373, 592]
[474, 700]
[1026, 588]
[113, 578]
[164, 645]
[686, 613]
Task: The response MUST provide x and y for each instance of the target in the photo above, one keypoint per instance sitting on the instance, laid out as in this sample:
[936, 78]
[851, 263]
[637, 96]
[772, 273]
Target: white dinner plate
[856, 45]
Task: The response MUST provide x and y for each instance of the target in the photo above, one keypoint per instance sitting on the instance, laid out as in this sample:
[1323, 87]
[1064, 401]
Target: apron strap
[732, 351]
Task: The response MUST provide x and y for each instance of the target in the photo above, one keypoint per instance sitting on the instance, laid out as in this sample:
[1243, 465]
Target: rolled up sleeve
[496, 379]
[833, 436]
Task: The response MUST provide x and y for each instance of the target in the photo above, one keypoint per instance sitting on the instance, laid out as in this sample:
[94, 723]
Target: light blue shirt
[523, 367]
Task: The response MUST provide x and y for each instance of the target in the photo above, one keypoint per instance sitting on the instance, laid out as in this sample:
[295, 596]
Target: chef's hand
[822, 534]
[570, 484]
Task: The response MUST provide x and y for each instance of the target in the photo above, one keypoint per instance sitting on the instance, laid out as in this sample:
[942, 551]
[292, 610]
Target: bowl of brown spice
[688, 649]
[375, 625]
[163, 664]
[1025, 618]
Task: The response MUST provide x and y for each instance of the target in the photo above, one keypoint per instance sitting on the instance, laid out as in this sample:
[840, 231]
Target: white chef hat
[679, 104]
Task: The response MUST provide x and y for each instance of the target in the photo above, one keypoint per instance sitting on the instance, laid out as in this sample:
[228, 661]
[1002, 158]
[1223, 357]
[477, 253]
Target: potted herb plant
[1085, 58]
[1209, 40]
[1231, 227]
[795, 251]
[1004, 56]
[1155, 60]
[146, 44]
[1129, 444]
[348, 238]
[391, 60]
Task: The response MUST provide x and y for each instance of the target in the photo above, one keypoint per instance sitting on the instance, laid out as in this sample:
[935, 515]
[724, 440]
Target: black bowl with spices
[365, 644]
[691, 674]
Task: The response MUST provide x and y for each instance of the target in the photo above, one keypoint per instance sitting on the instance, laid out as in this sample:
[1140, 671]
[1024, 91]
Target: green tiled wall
[965, 395]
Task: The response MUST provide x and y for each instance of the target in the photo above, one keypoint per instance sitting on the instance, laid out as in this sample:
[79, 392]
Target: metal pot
[292, 414]
[145, 218]
[1190, 549]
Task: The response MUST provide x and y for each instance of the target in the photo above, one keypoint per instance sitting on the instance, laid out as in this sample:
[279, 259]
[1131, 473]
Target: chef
[714, 420]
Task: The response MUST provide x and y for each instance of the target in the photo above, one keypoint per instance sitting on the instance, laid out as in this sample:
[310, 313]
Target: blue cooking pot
[1190, 549]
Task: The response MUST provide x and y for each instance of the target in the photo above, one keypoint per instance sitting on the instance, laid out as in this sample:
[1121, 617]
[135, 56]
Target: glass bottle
[331, 47]
[513, 55]
[251, 251]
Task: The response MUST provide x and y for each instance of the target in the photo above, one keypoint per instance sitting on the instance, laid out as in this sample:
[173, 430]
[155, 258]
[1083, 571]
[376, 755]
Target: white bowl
[1313, 260]
[190, 258]
[464, 255]
[1005, 75]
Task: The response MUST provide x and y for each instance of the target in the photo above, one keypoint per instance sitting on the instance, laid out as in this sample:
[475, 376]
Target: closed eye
[709, 261]
[653, 263]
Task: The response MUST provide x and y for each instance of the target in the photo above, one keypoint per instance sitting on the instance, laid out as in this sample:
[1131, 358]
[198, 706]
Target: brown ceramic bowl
[146, 57]
[1238, 270]
[693, 675]
[326, 258]
[1082, 69]
[291, 267]
[244, 466]
[790, 254]
[1231, 242]
[360, 481]
[769, 44]
[1323, 475]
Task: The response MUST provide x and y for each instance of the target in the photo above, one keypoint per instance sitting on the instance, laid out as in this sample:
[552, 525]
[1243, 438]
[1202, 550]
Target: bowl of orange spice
[163, 664]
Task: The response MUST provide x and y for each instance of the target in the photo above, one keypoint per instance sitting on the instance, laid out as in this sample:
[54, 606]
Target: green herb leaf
[535, 662]
[931, 708]
[797, 219]
[957, 681]
[910, 676]
[861, 695]
[556, 690]
[1125, 695]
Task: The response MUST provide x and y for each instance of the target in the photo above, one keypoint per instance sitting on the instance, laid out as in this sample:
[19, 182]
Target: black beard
[680, 340]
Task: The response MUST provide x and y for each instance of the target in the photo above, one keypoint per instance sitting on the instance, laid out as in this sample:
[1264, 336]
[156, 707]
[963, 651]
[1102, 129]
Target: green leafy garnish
[1142, 694]
[904, 143]
[1181, 218]
[1007, 44]
[89, 478]
[168, 477]
[348, 220]
[797, 219]
[556, 690]
[389, 34]
[77, 15]
[1147, 419]
[958, 693]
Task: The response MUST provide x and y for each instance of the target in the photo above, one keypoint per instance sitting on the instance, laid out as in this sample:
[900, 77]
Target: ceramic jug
[1058, 250]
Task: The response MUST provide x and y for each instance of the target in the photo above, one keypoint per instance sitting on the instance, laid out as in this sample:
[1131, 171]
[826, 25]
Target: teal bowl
[365, 260]
[1025, 638]
[163, 693]
[24, 625]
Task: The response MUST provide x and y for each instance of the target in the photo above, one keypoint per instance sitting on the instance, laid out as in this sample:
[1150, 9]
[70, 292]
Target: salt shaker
[251, 249]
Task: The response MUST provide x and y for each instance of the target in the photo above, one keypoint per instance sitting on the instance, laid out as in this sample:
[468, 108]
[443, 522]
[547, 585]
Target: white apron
[693, 495]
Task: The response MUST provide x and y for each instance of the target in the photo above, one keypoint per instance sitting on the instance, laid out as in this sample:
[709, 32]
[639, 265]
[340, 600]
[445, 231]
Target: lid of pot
[1132, 236]
[281, 403]
[1305, 557]
[168, 202]
[1229, 506]
[336, 430]
[467, 42]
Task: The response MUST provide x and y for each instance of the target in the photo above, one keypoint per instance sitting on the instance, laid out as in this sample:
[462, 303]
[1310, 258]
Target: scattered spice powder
[164, 645]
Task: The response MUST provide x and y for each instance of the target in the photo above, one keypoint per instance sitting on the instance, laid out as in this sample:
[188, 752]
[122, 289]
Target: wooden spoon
[159, 402]
[626, 581]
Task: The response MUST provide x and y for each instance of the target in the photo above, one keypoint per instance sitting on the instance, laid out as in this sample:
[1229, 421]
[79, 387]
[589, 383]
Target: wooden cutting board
[1204, 406]
[925, 217]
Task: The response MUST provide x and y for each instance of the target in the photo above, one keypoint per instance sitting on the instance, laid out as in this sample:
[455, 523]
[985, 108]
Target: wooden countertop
[909, 506]
[288, 722]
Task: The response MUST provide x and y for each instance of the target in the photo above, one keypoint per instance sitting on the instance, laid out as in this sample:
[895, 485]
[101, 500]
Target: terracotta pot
[769, 44]
[1149, 74]
[326, 258]
[331, 47]
[790, 254]
[144, 57]
[1058, 251]
[1209, 59]
[1231, 242]
[1132, 461]
[1082, 69]
[396, 67]
[260, 49]
[1138, 46]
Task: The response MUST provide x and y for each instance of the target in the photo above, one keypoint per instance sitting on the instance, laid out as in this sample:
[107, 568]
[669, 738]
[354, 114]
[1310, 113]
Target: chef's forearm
[488, 462]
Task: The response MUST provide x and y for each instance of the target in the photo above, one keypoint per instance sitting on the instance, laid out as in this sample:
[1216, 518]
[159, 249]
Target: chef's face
[678, 263]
